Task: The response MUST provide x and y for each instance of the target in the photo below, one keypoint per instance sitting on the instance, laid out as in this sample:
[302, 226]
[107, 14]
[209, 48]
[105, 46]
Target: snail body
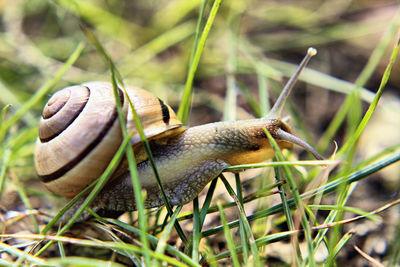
[79, 133]
[189, 161]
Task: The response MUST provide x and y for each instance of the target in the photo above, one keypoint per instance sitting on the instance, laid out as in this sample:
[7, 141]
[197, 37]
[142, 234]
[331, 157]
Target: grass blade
[184, 107]
[352, 140]
[41, 92]
[243, 219]
[325, 189]
[228, 236]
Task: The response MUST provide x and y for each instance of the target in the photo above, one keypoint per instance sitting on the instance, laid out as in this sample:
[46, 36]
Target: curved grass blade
[115, 75]
[352, 140]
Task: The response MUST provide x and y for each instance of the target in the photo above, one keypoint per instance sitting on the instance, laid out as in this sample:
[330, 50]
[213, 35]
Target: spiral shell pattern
[79, 132]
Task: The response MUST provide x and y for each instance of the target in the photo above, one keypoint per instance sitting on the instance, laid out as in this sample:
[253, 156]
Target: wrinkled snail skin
[188, 162]
[80, 132]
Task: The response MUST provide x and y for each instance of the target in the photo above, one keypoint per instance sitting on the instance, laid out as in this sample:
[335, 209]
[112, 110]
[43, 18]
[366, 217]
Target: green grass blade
[282, 163]
[299, 204]
[243, 219]
[352, 140]
[115, 75]
[41, 92]
[288, 215]
[184, 107]
[325, 189]
[5, 160]
[132, 62]
[167, 16]
[104, 21]
[199, 30]
[3, 114]
[117, 246]
[8, 97]
[14, 251]
[196, 230]
[154, 241]
[366, 73]
[133, 171]
[339, 246]
[24, 197]
[82, 261]
[97, 188]
[207, 202]
[229, 240]
[347, 209]
[162, 243]
[262, 92]
[263, 241]
[204, 210]
[243, 235]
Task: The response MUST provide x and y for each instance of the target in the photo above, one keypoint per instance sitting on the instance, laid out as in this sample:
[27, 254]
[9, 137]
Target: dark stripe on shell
[67, 123]
[165, 112]
[64, 169]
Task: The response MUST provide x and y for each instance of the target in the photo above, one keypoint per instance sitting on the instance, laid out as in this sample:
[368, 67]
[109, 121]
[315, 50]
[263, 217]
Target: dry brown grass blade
[351, 220]
[373, 261]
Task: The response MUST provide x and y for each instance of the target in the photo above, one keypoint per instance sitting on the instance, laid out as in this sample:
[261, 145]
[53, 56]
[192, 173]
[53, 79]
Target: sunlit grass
[173, 49]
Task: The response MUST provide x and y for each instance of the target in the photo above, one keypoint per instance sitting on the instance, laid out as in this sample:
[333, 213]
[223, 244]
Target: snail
[79, 133]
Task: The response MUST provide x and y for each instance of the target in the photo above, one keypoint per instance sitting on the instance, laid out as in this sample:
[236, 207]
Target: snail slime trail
[186, 158]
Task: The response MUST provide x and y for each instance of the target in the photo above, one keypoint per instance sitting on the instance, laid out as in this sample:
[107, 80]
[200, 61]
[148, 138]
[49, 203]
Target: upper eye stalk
[80, 132]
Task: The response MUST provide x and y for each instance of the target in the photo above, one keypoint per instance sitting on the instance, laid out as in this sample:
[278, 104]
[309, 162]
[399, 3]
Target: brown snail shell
[79, 132]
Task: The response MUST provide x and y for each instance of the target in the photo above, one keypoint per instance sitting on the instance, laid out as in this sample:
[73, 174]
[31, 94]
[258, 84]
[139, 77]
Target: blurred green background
[252, 45]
